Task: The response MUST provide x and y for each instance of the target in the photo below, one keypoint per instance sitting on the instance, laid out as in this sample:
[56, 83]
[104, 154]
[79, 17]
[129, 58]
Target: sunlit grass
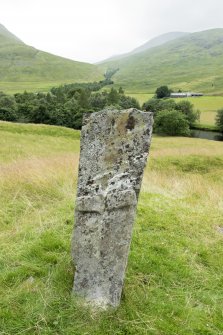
[20, 87]
[206, 103]
[174, 278]
[208, 118]
[141, 97]
[12, 87]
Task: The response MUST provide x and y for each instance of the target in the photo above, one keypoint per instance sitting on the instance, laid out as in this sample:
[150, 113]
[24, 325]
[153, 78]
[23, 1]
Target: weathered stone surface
[114, 149]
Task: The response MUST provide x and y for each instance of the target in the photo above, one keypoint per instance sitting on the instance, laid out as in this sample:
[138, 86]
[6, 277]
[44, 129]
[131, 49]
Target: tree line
[64, 105]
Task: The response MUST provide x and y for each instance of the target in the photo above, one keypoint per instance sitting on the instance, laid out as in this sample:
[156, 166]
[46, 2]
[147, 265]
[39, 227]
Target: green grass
[206, 103]
[21, 65]
[174, 279]
[141, 97]
[36, 86]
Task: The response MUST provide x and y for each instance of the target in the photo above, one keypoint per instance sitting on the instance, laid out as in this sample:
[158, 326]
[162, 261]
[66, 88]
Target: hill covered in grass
[154, 42]
[173, 283]
[6, 37]
[192, 62]
[37, 70]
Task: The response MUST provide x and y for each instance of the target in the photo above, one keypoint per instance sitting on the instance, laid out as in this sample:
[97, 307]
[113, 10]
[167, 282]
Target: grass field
[141, 97]
[20, 87]
[174, 280]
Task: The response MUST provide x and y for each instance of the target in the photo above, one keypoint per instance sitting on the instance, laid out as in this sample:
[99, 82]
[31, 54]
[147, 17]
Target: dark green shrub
[219, 119]
[163, 92]
[154, 105]
[172, 123]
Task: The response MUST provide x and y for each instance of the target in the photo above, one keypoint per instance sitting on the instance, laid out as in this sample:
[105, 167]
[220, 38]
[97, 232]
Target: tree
[120, 90]
[63, 105]
[7, 114]
[173, 123]
[163, 92]
[40, 114]
[113, 97]
[98, 101]
[109, 73]
[8, 108]
[83, 98]
[151, 105]
[154, 105]
[186, 107]
[126, 102]
[219, 119]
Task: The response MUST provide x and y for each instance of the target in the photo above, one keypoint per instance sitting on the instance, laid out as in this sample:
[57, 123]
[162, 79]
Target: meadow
[174, 279]
[20, 87]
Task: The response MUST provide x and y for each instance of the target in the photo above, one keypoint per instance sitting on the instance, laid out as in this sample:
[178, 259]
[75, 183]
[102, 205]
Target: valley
[173, 283]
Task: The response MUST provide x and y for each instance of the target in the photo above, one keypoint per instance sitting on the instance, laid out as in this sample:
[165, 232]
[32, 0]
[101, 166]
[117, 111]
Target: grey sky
[92, 30]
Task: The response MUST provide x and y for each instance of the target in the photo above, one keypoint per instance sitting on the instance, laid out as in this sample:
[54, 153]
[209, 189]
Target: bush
[171, 122]
[7, 115]
[219, 119]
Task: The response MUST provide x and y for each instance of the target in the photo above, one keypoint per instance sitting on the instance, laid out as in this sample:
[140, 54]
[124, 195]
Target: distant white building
[185, 94]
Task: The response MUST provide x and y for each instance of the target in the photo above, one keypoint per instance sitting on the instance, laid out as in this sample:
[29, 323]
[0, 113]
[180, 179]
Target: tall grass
[174, 278]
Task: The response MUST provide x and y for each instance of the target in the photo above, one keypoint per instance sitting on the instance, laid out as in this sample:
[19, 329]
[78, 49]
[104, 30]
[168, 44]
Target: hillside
[159, 40]
[173, 283]
[29, 68]
[192, 62]
[154, 42]
[6, 37]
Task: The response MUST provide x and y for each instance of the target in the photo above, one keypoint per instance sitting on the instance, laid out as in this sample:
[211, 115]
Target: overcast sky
[92, 30]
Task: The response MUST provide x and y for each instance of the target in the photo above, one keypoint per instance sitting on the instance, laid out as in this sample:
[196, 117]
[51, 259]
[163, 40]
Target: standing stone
[114, 150]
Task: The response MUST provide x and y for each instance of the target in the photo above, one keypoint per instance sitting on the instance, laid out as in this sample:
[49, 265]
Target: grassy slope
[194, 62]
[174, 281]
[24, 67]
[159, 40]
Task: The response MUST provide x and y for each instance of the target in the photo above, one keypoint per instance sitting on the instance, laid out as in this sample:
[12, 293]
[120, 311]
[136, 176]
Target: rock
[114, 150]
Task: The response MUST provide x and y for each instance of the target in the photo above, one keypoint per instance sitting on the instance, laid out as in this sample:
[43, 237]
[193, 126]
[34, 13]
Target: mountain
[25, 67]
[7, 37]
[154, 42]
[191, 62]
[159, 40]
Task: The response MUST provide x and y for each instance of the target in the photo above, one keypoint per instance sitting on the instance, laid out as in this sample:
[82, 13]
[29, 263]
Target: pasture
[31, 86]
[174, 280]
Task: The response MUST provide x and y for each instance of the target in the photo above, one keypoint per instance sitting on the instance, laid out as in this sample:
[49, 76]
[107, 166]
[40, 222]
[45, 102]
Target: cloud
[92, 30]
